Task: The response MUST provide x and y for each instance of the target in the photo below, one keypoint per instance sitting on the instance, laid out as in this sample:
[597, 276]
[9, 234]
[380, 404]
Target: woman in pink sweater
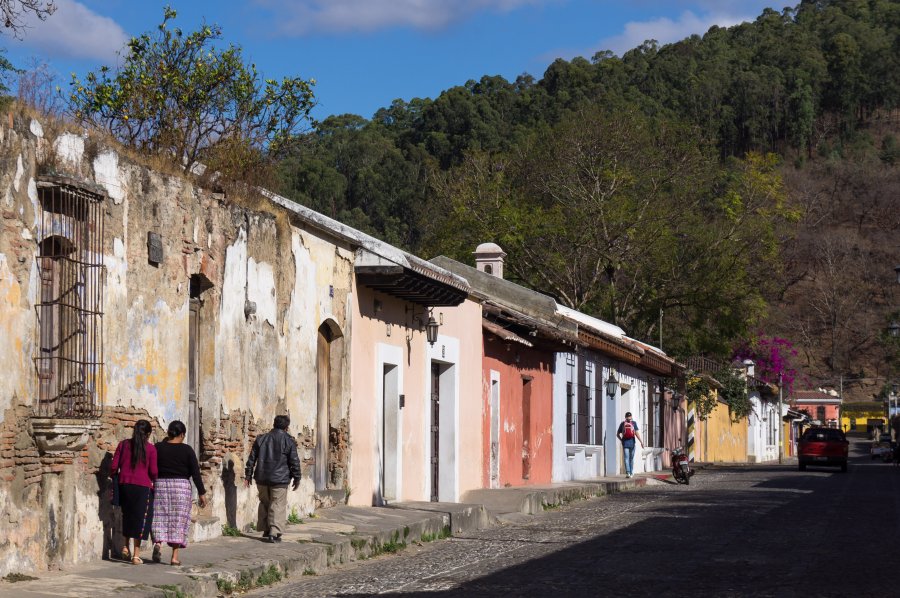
[135, 464]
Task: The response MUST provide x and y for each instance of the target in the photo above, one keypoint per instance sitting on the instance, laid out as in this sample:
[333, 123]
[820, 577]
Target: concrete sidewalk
[335, 535]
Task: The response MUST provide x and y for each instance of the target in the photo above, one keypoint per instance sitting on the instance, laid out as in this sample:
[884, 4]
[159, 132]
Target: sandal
[176, 563]
[157, 553]
[125, 554]
[137, 561]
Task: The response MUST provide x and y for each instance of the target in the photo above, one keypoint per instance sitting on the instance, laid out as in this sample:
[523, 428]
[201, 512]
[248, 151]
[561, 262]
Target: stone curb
[336, 536]
[296, 557]
[506, 503]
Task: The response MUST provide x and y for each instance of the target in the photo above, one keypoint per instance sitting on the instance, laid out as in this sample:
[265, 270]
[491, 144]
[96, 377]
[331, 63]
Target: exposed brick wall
[18, 453]
[116, 424]
[19, 456]
[339, 457]
[233, 434]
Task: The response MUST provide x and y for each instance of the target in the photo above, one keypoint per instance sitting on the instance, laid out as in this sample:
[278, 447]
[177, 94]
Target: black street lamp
[431, 330]
[611, 386]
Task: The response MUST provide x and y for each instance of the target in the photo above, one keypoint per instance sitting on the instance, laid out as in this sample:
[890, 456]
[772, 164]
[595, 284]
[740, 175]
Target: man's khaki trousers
[272, 509]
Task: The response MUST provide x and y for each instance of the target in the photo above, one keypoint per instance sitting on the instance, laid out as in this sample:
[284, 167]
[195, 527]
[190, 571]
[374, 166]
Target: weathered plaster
[36, 128]
[261, 290]
[107, 174]
[151, 373]
[33, 196]
[16, 325]
[250, 367]
[70, 148]
[20, 170]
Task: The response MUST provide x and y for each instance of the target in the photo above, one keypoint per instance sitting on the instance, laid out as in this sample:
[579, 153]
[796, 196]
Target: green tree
[623, 216]
[179, 95]
[355, 171]
[7, 70]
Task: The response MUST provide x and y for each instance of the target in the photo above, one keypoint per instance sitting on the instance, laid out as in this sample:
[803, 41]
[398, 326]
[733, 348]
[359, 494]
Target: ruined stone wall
[40, 535]
[263, 283]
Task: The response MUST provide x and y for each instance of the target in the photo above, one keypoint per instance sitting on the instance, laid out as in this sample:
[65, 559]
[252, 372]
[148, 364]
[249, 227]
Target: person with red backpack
[628, 431]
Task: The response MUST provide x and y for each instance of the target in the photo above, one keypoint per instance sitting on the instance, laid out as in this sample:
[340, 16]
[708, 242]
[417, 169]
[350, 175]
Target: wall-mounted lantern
[612, 385]
[750, 367]
[431, 330]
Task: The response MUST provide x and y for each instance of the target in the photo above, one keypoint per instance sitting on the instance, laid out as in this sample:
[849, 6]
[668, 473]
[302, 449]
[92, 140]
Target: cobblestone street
[753, 530]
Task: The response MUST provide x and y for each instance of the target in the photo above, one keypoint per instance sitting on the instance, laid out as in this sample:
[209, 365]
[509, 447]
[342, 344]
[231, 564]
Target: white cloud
[697, 19]
[298, 17]
[665, 30]
[74, 31]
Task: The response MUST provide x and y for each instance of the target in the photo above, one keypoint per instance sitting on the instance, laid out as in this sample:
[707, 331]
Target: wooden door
[323, 419]
[435, 430]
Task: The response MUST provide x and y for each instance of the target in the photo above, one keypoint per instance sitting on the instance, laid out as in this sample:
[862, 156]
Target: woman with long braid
[135, 464]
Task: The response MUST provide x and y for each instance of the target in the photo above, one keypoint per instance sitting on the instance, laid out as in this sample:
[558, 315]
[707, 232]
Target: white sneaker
[627, 475]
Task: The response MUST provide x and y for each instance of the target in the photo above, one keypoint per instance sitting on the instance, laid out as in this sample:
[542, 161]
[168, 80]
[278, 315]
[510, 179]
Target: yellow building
[718, 439]
[863, 418]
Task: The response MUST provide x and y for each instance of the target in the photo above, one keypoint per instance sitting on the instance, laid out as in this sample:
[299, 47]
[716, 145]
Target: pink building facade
[412, 438]
[822, 408]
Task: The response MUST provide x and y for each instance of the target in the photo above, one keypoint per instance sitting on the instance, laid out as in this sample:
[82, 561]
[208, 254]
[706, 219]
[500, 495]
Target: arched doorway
[329, 356]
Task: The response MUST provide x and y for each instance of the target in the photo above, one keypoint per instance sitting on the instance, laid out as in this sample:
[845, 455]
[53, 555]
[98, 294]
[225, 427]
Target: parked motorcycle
[681, 466]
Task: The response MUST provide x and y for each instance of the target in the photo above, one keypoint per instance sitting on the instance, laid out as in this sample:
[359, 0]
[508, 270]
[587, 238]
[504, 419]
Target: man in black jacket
[273, 463]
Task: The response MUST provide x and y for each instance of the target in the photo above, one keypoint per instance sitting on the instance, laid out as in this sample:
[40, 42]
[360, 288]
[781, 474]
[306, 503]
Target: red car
[823, 446]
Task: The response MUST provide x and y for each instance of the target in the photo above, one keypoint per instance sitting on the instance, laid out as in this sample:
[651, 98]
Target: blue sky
[365, 53]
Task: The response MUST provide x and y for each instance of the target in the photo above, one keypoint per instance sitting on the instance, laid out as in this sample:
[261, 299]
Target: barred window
[69, 353]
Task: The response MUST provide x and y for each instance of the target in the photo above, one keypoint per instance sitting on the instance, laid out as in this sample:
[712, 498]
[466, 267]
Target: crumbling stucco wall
[264, 284]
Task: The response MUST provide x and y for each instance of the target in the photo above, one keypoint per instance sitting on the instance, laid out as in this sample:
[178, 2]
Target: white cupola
[489, 259]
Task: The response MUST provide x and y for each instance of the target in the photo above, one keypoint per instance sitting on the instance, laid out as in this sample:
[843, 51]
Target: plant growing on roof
[734, 393]
[178, 95]
[701, 393]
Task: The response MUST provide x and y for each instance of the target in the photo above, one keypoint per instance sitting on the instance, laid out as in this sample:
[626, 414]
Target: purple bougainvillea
[774, 358]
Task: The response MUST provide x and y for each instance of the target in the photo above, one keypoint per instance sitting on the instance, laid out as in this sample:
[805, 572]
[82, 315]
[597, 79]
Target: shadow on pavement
[797, 533]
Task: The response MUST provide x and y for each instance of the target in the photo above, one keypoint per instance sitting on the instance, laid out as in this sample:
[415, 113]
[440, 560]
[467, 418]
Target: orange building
[823, 408]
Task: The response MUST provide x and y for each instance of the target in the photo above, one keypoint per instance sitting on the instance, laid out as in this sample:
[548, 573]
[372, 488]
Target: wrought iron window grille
[69, 354]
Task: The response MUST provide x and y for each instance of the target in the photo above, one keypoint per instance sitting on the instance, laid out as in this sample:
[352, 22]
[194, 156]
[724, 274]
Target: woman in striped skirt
[177, 464]
[135, 464]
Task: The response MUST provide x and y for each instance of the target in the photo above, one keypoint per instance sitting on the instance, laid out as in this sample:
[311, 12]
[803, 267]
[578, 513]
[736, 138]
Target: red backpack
[627, 430]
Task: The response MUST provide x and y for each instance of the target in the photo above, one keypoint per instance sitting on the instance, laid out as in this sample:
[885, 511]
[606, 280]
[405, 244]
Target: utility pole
[660, 328]
[780, 420]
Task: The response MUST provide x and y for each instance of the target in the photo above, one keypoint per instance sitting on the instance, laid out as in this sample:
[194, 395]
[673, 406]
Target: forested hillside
[739, 183]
